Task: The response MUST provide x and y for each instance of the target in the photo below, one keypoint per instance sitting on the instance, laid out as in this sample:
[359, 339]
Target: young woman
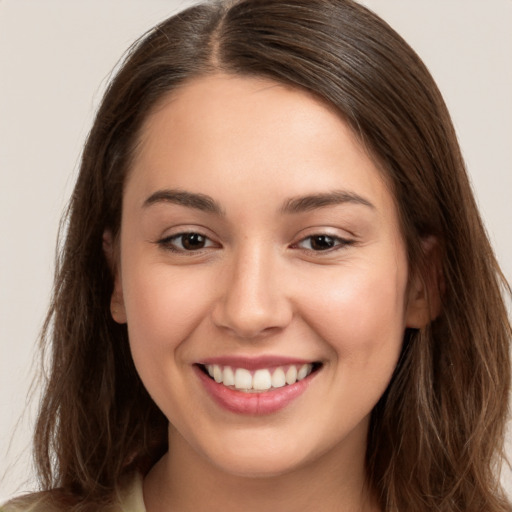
[275, 289]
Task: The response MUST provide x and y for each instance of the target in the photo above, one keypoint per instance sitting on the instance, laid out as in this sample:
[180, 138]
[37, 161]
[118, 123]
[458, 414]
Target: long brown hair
[436, 435]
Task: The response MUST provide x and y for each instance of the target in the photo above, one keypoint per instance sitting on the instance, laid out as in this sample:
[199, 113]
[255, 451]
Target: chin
[263, 459]
[258, 467]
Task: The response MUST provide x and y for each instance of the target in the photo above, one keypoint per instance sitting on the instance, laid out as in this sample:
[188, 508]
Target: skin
[259, 287]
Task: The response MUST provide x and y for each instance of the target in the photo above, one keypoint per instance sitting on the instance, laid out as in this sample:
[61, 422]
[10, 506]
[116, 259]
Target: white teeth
[228, 377]
[304, 371]
[217, 373]
[278, 378]
[291, 375]
[262, 380]
[243, 379]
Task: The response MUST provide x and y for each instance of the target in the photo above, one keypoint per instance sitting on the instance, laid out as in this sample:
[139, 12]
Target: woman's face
[260, 244]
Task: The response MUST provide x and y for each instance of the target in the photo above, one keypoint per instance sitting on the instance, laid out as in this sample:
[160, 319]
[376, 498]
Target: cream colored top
[130, 499]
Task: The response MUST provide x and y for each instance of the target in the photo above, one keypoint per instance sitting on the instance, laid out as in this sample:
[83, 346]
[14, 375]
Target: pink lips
[260, 403]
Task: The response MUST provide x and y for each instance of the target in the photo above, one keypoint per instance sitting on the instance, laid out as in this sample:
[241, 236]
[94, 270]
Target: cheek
[163, 307]
[359, 311]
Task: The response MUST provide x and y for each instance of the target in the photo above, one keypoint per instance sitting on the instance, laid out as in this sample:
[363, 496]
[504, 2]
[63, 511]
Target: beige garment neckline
[131, 498]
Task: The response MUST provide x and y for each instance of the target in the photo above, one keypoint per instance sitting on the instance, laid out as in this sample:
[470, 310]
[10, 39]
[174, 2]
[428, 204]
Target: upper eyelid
[337, 229]
[183, 233]
[344, 239]
[334, 237]
[167, 244]
[185, 230]
[330, 232]
[341, 239]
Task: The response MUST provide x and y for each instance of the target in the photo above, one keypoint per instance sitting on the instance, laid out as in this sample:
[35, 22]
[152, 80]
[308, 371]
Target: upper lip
[254, 363]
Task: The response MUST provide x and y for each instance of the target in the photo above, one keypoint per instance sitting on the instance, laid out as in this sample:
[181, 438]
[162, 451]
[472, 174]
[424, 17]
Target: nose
[252, 303]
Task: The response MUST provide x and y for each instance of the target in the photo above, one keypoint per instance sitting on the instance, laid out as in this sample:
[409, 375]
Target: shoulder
[128, 498]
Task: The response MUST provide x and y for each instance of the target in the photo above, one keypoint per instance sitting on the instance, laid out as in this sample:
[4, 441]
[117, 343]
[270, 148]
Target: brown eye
[186, 242]
[322, 242]
[192, 241]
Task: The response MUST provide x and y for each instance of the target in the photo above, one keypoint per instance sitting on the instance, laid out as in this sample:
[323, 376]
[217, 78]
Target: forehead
[221, 107]
[216, 131]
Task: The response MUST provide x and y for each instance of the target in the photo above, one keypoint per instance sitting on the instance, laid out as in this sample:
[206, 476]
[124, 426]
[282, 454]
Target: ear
[117, 309]
[426, 288]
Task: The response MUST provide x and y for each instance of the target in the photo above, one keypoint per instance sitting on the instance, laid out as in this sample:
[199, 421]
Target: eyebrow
[312, 202]
[189, 199]
[291, 206]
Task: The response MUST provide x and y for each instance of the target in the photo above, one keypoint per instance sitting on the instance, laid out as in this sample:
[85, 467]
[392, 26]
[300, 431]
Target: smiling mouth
[263, 379]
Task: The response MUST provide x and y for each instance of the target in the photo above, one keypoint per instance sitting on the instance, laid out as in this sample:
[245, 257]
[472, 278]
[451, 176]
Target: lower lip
[266, 402]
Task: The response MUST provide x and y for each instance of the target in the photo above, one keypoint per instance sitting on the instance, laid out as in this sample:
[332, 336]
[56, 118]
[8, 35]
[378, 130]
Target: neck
[185, 481]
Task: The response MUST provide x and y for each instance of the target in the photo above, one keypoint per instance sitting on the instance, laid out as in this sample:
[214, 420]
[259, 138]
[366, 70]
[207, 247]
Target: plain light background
[55, 58]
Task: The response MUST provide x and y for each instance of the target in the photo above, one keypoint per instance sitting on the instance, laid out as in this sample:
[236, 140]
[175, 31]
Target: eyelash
[169, 243]
[338, 242]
